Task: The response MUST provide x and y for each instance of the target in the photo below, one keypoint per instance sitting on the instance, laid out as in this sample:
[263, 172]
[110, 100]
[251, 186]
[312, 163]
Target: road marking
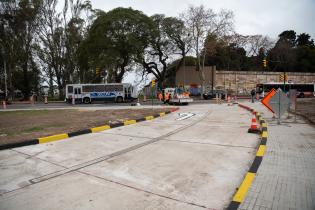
[261, 150]
[264, 134]
[100, 128]
[242, 191]
[250, 176]
[53, 138]
[162, 114]
[184, 115]
[149, 118]
[129, 122]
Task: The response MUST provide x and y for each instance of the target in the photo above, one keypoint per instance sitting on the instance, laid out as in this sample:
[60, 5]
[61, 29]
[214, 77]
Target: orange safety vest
[160, 96]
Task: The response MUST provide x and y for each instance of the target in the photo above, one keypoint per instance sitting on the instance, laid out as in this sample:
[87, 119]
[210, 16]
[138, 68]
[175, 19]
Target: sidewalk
[286, 176]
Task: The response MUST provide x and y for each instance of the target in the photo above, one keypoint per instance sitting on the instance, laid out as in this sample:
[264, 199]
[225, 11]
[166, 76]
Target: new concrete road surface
[194, 158]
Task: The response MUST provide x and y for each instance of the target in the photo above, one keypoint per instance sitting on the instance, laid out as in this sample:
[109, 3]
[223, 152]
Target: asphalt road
[173, 162]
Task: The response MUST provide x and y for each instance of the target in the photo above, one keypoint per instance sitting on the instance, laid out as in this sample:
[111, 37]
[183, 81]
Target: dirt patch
[18, 126]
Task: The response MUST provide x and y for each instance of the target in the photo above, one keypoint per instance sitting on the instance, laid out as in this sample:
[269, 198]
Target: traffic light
[264, 63]
[153, 83]
[98, 71]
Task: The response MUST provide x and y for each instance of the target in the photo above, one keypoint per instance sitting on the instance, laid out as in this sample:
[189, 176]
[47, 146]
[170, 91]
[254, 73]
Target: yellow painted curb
[100, 128]
[162, 114]
[129, 122]
[53, 138]
[149, 118]
[261, 150]
[242, 191]
[264, 134]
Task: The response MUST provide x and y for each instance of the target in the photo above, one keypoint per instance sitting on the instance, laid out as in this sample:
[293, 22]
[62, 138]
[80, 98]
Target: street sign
[279, 103]
[266, 99]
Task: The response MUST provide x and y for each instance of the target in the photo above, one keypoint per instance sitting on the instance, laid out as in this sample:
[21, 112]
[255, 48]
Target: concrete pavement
[285, 179]
[195, 163]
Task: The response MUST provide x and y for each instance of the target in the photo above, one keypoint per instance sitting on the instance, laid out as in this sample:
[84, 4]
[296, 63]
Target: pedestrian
[253, 92]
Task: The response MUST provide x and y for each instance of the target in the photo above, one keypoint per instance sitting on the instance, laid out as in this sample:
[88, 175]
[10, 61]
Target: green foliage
[115, 40]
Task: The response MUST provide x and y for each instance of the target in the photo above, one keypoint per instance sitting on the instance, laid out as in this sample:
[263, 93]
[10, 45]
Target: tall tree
[202, 23]
[60, 36]
[168, 40]
[116, 39]
[20, 23]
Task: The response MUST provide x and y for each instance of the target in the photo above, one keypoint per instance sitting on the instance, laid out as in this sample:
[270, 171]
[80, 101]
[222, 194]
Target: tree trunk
[26, 87]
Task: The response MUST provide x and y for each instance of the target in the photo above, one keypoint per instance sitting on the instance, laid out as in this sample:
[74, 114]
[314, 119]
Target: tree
[21, 22]
[59, 43]
[116, 39]
[289, 37]
[176, 30]
[202, 23]
[168, 40]
[305, 40]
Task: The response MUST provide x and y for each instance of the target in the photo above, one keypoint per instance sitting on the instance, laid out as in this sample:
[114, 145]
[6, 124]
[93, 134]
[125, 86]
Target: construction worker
[160, 96]
[167, 97]
[253, 93]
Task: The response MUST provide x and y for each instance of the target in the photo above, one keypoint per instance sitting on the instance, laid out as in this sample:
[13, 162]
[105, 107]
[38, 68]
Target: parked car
[212, 94]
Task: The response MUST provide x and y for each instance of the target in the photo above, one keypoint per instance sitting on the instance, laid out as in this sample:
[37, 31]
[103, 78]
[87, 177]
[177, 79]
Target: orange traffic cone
[253, 127]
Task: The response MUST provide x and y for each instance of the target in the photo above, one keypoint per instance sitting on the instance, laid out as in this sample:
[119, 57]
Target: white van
[177, 96]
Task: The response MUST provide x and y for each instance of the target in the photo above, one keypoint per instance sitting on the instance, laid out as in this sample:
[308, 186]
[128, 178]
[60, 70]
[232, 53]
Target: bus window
[99, 88]
[70, 89]
[77, 91]
[87, 88]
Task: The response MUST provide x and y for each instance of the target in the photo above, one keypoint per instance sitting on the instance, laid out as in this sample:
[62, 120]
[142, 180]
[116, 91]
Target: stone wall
[242, 82]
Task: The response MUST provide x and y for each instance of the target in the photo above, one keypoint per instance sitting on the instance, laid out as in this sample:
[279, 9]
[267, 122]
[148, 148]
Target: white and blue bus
[303, 89]
[87, 93]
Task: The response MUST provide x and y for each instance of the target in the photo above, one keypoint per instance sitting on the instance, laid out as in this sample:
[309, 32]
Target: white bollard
[73, 101]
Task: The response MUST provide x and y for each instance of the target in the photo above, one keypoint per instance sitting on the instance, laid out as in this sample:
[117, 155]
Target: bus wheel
[86, 100]
[119, 99]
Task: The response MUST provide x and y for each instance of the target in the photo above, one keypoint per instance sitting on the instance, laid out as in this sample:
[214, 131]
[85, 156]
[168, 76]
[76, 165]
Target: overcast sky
[268, 17]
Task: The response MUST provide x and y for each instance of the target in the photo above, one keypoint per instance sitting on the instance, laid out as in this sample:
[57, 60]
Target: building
[190, 78]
